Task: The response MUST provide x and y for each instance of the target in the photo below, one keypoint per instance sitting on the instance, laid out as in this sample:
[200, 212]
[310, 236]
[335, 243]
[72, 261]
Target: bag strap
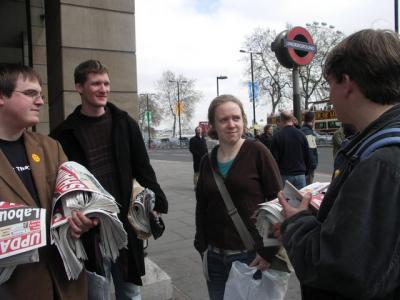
[244, 233]
[386, 137]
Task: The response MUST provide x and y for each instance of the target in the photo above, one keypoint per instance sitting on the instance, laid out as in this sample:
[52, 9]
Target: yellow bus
[325, 121]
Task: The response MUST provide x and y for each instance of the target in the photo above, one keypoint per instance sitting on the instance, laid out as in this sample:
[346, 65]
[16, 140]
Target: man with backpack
[308, 130]
[351, 249]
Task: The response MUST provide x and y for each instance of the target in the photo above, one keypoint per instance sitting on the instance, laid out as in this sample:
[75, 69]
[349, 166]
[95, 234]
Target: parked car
[154, 143]
[165, 143]
[323, 138]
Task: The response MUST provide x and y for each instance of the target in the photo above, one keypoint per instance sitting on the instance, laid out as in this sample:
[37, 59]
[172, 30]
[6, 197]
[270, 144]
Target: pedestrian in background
[251, 176]
[295, 122]
[198, 147]
[29, 164]
[348, 133]
[350, 250]
[266, 136]
[290, 149]
[340, 135]
[308, 130]
[108, 142]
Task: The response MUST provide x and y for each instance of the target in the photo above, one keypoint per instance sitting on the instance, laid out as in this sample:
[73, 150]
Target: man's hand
[156, 213]
[260, 263]
[276, 230]
[289, 210]
[79, 224]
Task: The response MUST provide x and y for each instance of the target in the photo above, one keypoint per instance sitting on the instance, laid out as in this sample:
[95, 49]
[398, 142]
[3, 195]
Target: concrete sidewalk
[174, 251]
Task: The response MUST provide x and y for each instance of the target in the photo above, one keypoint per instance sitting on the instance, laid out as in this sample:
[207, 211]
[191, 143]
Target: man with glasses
[28, 168]
[109, 143]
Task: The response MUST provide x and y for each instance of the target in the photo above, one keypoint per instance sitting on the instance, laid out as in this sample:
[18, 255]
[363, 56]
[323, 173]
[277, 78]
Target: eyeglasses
[34, 94]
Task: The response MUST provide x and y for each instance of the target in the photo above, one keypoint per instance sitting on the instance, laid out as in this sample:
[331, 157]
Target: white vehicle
[323, 138]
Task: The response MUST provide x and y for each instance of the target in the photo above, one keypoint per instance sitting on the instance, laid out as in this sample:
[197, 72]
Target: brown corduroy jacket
[46, 279]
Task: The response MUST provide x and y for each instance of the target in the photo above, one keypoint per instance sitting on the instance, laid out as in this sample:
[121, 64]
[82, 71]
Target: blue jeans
[218, 271]
[299, 181]
[123, 290]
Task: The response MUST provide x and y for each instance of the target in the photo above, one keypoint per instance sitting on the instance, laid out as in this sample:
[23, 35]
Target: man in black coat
[290, 149]
[108, 142]
[198, 147]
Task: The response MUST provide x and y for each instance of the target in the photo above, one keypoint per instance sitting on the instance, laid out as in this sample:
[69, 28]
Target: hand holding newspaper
[77, 189]
[270, 212]
[143, 219]
[22, 232]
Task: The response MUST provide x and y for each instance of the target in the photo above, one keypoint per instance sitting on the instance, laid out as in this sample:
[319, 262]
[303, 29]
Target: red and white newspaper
[22, 232]
[22, 229]
[78, 190]
[270, 212]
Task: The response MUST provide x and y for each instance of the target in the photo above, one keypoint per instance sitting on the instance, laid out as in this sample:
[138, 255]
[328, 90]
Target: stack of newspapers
[270, 212]
[142, 204]
[78, 190]
[22, 232]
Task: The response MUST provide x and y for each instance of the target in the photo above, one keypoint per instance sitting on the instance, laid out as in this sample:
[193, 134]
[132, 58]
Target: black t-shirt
[16, 154]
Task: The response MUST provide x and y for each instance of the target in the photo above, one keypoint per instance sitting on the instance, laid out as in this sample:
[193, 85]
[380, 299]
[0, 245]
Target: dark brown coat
[38, 280]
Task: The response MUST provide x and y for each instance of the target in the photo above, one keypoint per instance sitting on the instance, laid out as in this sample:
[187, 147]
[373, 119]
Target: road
[183, 155]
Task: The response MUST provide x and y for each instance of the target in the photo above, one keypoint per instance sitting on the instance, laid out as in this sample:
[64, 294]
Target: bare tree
[312, 85]
[276, 81]
[167, 92]
[273, 78]
[156, 112]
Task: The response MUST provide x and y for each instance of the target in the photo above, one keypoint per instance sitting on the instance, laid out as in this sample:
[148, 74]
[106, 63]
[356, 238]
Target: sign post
[294, 48]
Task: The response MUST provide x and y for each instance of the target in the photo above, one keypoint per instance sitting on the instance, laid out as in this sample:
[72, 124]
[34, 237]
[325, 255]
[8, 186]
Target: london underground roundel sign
[294, 47]
[300, 46]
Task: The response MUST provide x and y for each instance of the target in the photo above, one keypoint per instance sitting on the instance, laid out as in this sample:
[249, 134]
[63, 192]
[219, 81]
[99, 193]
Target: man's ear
[2, 99]
[348, 84]
[78, 88]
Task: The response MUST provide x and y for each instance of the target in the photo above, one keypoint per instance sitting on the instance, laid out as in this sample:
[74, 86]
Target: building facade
[53, 36]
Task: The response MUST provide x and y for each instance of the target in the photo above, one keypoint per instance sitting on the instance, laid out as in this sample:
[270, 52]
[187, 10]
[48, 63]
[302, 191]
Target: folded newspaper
[78, 190]
[22, 232]
[140, 213]
[270, 212]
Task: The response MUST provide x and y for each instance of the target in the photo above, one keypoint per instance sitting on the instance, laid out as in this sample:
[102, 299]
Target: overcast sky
[201, 39]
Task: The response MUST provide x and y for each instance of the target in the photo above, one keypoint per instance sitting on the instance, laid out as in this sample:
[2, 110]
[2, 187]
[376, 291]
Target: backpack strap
[386, 137]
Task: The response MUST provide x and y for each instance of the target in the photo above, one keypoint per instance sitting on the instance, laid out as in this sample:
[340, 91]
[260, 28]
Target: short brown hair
[9, 75]
[371, 58]
[267, 127]
[90, 66]
[285, 116]
[212, 133]
[309, 116]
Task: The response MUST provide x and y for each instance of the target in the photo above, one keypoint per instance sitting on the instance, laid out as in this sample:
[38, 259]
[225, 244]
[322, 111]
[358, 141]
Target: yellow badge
[35, 157]
[337, 173]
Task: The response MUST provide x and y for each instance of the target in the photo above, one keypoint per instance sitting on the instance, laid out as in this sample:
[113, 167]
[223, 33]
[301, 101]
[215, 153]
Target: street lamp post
[396, 16]
[252, 86]
[218, 78]
[179, 109]
[148, 119]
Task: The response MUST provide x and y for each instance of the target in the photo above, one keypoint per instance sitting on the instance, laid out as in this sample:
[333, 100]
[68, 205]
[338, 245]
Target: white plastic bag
[242, 286]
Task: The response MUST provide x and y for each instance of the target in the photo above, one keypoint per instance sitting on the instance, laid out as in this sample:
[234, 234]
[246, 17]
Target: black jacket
[266, 140]
[290, 149]
[198, 147]
[312, 145]
[351, 249]
[132, 162]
